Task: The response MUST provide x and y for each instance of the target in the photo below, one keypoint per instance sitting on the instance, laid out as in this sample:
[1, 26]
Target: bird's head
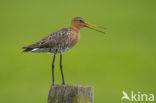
[78, 22]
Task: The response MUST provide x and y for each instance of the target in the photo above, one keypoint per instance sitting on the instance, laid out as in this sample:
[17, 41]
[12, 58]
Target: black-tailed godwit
[60, 41]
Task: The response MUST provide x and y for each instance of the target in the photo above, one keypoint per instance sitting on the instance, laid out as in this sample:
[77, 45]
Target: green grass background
[123, 59]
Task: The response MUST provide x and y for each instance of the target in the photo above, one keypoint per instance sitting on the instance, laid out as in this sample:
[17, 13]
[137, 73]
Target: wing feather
[50, 41]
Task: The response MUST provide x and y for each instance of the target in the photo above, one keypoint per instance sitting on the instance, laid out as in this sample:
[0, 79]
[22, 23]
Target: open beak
[91, 27]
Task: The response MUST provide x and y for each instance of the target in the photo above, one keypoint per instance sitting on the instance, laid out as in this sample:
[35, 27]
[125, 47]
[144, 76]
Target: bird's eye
[81, 21]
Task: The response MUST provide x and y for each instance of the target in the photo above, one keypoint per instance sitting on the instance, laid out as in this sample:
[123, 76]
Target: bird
[60, 41]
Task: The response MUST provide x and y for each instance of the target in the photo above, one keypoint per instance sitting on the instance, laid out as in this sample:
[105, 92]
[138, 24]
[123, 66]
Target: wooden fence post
[71, 94]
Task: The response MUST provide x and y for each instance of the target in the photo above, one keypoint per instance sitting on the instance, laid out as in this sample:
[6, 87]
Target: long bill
[91, 27]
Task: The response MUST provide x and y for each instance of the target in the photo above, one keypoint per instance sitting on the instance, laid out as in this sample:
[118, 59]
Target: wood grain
[71, 94]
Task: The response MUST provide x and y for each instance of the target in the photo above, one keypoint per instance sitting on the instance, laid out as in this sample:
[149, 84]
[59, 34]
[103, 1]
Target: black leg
[53, 70]
[63, 82]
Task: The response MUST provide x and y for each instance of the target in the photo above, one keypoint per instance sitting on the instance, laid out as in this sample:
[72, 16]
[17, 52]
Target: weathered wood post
[71, 94]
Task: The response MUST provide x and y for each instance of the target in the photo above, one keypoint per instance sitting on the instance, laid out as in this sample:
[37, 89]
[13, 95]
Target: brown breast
[75, 38]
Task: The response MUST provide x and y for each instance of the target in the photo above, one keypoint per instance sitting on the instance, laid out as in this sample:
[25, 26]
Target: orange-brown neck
[76, 34]
[75, 28]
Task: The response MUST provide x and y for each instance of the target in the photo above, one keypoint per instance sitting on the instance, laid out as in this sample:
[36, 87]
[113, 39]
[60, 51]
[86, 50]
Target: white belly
[49, 50]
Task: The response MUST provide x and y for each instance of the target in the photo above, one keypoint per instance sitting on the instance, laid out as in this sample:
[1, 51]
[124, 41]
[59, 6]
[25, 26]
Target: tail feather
[26, 49]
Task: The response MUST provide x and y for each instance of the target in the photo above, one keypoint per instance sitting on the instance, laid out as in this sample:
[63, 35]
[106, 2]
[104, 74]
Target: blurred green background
[123, 59]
